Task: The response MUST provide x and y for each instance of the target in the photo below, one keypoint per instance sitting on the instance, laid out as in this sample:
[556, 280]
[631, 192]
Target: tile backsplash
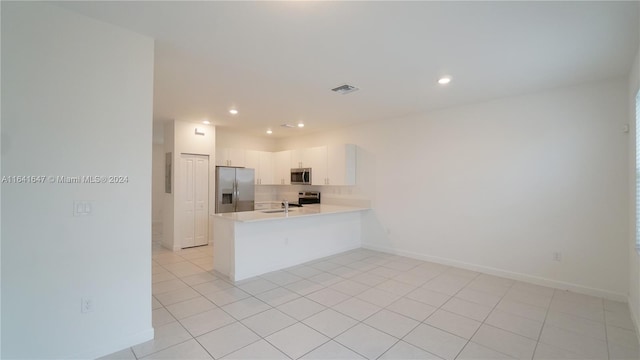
[336, 195]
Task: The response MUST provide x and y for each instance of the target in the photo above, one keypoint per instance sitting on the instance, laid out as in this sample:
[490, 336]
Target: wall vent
[345, 89]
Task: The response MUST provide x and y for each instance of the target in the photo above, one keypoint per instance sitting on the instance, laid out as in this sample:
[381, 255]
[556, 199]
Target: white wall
[1, 151]
[634, 257]
[229, 138]
[77, 101]
[500, 186]
[180, 138]
[157, 188]
[168, 198]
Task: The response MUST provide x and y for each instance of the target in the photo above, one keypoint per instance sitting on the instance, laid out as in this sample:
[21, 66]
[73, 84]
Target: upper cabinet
[298, 158]
[262, 162]
[316, 157]
[282, 167]
[231, 157]
[330, 165]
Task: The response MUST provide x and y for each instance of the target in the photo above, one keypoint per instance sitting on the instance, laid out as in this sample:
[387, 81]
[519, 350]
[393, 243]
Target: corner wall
[77, 96]
[1, 173]
[501, 186]
[157, 190]
[634, 256]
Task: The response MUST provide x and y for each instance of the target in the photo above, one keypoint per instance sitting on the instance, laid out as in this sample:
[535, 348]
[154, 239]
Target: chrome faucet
[286, 206]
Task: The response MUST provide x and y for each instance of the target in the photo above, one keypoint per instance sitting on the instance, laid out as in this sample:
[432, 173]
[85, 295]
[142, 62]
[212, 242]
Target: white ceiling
[277, 61]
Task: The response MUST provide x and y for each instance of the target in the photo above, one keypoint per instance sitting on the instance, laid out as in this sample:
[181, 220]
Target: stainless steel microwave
[301, 176]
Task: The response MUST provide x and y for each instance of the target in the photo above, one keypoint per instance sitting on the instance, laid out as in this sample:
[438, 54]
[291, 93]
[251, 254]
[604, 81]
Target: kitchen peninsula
[252, 243]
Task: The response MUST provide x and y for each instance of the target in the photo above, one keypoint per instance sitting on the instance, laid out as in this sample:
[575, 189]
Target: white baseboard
[121, 344]
[506, 274]
[634, 318]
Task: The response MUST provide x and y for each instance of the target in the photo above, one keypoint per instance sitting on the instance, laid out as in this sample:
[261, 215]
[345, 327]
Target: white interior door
[194, 200]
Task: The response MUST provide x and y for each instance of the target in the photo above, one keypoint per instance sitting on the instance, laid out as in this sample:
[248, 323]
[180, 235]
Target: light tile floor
[367, 304]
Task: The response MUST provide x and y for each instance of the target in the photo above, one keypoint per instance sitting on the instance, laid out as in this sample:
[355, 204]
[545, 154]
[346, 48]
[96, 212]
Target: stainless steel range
[308, 197]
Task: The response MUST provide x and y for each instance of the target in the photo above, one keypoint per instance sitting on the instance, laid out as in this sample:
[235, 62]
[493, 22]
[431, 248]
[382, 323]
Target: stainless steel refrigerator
[235, 189]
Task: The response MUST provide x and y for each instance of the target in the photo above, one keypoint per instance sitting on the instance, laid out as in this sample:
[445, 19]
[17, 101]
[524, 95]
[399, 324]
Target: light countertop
[294, 212]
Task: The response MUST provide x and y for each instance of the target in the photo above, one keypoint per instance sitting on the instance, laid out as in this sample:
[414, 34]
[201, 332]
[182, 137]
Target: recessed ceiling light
[269, 132]
[206, 122]
[233, 112]
[444, 80]
[300, 125]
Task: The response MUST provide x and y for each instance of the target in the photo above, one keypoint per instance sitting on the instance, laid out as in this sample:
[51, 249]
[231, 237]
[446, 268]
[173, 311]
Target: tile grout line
[606, 332]
[348, 276]
[485, 319]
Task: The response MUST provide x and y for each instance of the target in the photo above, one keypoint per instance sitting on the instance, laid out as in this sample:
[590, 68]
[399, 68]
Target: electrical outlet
[86, 305]
[557, 256]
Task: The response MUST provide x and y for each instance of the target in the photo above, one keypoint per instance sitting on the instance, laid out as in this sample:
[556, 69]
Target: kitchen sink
[275, 211]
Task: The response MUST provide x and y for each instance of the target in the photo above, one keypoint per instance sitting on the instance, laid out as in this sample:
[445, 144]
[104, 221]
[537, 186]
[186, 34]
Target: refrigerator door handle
[236, 195]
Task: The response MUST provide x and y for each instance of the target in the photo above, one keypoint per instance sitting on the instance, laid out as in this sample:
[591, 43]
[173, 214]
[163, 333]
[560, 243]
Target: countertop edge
[336, 209]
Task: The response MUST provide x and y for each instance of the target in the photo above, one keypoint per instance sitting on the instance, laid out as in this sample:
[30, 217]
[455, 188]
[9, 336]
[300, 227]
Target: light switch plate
[82, 207]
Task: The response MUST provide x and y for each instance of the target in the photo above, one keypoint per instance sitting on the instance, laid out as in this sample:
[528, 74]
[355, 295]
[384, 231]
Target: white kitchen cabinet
[303, 158]
[330, 165]
[231, 157]
[341, 165]
[282, 167]
[298, 158]
[262, 162]
[316, 157]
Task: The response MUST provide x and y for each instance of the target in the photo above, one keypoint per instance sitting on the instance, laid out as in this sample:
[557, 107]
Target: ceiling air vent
[345, 89]
[288, 126]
